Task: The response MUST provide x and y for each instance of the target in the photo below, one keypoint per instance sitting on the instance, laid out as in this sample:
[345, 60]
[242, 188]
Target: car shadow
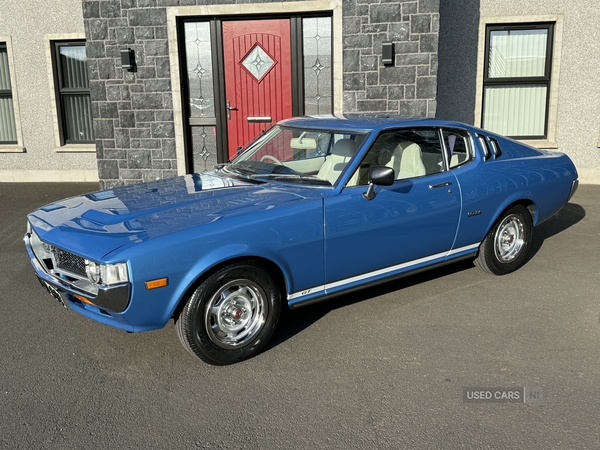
[293, 322]
[568, 216]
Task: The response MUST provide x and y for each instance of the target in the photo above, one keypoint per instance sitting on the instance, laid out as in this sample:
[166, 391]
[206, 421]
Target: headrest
[344, 147]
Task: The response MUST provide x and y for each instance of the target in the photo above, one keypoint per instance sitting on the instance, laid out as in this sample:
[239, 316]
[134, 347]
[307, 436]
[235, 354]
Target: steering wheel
[272, 158]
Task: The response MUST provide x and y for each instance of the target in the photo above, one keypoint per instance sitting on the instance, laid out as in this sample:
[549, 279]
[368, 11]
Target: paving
[386, 368]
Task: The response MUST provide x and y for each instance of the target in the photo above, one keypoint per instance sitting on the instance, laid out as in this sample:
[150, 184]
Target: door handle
[265, 119]
[229, 108]
[440, 185]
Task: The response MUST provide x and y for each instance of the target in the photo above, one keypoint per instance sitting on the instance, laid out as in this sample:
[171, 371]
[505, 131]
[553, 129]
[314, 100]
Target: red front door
[258, 77]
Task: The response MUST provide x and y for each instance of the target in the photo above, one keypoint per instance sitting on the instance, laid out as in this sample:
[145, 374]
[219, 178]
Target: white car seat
[341, 153]
[406, 160]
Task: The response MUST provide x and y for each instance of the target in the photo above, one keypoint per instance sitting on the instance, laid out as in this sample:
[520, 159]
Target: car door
[407, 225]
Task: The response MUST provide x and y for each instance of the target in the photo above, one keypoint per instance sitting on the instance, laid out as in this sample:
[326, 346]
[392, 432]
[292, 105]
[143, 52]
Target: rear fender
[525, 198]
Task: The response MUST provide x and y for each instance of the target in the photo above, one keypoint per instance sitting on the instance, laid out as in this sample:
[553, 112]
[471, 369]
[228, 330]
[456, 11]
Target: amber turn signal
[83, 299]
[154, 284]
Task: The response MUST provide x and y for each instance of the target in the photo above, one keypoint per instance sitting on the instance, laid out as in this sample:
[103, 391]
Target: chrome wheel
[235, 313]
[505, 247]
[231, 315]
[509, 239]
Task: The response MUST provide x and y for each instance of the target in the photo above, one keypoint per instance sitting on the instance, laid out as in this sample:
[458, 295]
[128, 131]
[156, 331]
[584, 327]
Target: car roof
[359, 122]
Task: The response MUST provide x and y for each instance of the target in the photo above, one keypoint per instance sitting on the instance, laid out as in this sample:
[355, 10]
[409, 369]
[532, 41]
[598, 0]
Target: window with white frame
[516, 87]
[74, 106]
[8, 129]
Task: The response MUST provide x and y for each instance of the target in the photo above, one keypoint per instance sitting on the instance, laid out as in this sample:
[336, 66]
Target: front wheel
[231, 315]
[505, 247]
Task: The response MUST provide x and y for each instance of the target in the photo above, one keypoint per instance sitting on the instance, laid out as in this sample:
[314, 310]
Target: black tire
[505, 247]
[231, 315]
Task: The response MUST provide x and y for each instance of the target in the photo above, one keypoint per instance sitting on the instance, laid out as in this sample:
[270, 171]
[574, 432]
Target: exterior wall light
[387, 53]
[128, 60]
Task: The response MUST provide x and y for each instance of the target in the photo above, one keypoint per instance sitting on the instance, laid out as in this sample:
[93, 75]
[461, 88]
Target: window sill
[4, 148]
[539, 143]
[76, 148]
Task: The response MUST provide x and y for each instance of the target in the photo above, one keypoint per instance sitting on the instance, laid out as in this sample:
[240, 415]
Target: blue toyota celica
[315, 207]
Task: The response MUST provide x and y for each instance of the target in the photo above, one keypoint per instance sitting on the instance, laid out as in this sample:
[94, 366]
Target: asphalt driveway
[385, 368]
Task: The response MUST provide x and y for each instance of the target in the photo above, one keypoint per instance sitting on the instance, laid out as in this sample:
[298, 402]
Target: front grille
[65, 268]
[69, 261]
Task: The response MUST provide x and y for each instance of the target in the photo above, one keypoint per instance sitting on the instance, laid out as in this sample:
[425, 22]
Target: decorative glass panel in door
[316, 35]
[201, 98]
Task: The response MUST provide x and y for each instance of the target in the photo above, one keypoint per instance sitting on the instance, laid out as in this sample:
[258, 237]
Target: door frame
[176, 16]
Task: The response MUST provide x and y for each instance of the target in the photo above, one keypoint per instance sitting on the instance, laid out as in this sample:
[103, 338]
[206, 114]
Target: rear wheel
[231, 315]
[505, 247]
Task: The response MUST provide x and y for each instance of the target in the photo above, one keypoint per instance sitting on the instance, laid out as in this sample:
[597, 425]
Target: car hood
[93, 225]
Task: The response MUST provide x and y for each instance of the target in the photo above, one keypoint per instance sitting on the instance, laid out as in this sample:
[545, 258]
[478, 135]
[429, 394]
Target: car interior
[413, 153]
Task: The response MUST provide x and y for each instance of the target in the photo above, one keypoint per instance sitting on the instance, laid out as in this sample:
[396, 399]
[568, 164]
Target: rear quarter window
[457, 144]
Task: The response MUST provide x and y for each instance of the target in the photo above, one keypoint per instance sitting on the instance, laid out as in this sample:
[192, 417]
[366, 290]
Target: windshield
[297, 155]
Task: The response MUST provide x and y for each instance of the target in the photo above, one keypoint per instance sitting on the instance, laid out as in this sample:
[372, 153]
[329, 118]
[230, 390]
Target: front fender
[209, 262]
[290, 239]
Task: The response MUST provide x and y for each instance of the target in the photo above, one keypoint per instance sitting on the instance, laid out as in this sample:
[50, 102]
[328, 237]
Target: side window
[74, 107]
[458, 148]
[517, 79]
[8, 131]
[411, 152]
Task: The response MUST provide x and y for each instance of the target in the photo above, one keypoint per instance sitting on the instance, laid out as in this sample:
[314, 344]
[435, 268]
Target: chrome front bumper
[65, 289]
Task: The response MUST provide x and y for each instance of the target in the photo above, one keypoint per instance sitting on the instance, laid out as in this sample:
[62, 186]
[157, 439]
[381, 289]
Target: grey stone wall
[409, 86]
[133, 111]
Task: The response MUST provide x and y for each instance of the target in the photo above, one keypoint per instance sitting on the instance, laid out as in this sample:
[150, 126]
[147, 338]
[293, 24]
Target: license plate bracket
[55, 293]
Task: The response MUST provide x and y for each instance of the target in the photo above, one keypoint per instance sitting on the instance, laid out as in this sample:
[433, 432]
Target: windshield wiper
[292, 176]
[237, 171]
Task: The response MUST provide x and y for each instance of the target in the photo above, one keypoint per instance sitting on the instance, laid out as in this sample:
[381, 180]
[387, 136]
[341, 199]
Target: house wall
[408, 87]
[137, 131]
[28, 31]
[576, 121]
[138, 128]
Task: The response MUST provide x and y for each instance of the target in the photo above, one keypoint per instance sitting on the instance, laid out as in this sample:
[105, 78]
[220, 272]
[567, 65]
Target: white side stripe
[383, 271]
[464, 249]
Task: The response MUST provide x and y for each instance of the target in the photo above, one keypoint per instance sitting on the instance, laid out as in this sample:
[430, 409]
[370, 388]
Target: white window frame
[18, 147]
[550, 141]
[49, 40]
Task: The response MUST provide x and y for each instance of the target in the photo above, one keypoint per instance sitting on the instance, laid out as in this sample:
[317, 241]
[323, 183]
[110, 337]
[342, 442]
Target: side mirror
[379, 176]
